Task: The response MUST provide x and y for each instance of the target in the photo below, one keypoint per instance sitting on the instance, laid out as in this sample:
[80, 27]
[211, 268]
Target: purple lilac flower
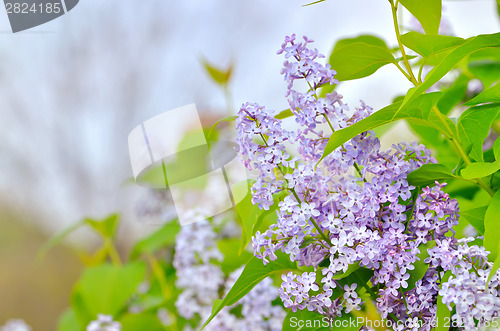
[355, 208]
[201, 279]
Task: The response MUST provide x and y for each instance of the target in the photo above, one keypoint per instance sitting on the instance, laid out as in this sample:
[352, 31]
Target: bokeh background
[71, 90]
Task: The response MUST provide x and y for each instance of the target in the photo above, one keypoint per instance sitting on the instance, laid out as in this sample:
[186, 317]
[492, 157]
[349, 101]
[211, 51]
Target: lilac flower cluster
[476, 301]
[195, 249]
[104, 323]
[434, 214]
[353, 210]
[201, 279]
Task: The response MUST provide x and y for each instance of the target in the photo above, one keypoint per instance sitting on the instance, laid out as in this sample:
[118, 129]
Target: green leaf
[163, 237]
[427, 174]
[490, 95]
[474, 126]
[352, 268]
[142, 321]
[68, 321]
[454, 94]
[106, 227]
[255, 271]
[427, 12]
[106, 289]
[491, 227]
[284, 114]
[57, 239]
[430, 136]
[496, 149]
[152, 300]
[495, 267]
[443, 313]
[383, 129]
[225, 119]
[488, 72]
[325, 89]
[359, 57]
[470, 46]
[229, 247]
[443, 123]
[425, 44]
[420, 267]
[313, 3]
[408, 57]
[266, 219]
[81, 312]
[487, 54]
[153, 177]
[441, 147]
[366, 38]
[436, 58]
[249, 215]
[475, 217]
[418, 110]
[220, 76]
[246, 211]
[479, 169]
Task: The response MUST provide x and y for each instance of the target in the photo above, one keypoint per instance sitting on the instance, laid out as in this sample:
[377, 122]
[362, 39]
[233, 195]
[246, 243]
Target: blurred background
[72, 89]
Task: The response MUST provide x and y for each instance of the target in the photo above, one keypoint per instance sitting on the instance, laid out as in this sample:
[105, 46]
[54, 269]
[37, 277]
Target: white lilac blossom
[104, 323]
[202, 280]
[15, 325]
[195, 249]
[476, 301]
[353, 209]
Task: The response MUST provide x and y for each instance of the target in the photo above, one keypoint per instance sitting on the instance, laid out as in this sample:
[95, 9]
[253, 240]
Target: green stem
[401, 47]
[402, 70]
[356, 166]
[467, 161]
[329, 123]
[159, 275]
[113, 253]
[450, 133]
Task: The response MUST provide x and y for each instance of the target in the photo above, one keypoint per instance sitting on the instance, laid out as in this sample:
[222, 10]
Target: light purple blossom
[201, 279]
[355, 208]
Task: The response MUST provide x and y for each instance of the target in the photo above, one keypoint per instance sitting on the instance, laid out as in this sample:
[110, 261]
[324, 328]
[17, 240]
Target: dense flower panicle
[475, 299]
[356, 208]
[257, 122]
[201, 279]
[104, 323]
